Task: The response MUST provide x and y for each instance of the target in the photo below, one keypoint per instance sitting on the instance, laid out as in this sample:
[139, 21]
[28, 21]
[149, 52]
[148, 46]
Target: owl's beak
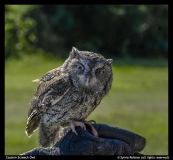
[87, 80]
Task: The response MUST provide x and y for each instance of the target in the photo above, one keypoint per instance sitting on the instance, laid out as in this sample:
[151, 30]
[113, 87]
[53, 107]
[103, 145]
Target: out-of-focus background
[39, 38]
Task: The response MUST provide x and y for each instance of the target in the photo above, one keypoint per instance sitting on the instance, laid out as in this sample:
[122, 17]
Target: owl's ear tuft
[74, 49]
[74, 53]
[110, 61]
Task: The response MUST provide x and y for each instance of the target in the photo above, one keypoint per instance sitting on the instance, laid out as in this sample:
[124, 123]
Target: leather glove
[111, 141]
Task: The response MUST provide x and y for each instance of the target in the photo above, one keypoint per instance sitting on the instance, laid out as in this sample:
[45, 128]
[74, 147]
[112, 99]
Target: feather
[32, 125]
[59, 98]
[36, 80]
[48, 92]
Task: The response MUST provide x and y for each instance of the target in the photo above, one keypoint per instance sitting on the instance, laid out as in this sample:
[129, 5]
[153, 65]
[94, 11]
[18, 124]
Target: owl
[67, 95]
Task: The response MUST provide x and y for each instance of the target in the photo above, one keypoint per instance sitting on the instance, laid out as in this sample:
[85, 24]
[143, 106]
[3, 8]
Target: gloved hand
[111, 141]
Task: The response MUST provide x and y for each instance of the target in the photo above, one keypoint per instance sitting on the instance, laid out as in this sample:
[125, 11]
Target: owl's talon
[72, 127]
[84, 127]
[92, 121]
[77, 123]
[74, 131]
[93, 130]
[66, 130]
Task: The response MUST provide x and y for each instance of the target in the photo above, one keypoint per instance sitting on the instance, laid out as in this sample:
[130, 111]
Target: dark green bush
[112, 30]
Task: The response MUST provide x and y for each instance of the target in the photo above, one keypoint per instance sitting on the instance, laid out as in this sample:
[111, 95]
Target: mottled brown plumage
[68, 94]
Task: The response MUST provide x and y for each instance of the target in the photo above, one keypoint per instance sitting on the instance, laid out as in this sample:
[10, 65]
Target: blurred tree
[18, 30]
[113, 30]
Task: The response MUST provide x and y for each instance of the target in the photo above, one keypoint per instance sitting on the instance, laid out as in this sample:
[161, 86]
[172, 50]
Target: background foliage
[113, 30]
[39, 37]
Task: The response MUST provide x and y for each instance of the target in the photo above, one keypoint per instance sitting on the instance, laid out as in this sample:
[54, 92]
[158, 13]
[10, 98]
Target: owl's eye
[78, 67]
[99, 71]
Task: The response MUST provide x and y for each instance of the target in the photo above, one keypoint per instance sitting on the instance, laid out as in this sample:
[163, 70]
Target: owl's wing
[47, 94]
[49, 75]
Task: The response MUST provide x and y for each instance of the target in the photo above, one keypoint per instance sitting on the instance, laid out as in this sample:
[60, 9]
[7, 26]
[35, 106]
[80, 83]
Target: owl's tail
[48, 134]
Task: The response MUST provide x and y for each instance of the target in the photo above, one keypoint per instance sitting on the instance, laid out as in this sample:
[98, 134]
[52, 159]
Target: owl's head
[89, 70]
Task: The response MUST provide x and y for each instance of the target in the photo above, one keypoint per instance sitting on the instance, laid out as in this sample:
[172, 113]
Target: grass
[137, 101]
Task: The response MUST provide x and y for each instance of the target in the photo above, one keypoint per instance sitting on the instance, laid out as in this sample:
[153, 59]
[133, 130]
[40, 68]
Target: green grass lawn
[137, 101]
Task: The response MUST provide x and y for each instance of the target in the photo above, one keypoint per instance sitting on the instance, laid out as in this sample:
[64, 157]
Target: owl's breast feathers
[58, 100]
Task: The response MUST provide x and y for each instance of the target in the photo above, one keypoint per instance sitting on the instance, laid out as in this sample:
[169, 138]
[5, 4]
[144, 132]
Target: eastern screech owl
[68, 94]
